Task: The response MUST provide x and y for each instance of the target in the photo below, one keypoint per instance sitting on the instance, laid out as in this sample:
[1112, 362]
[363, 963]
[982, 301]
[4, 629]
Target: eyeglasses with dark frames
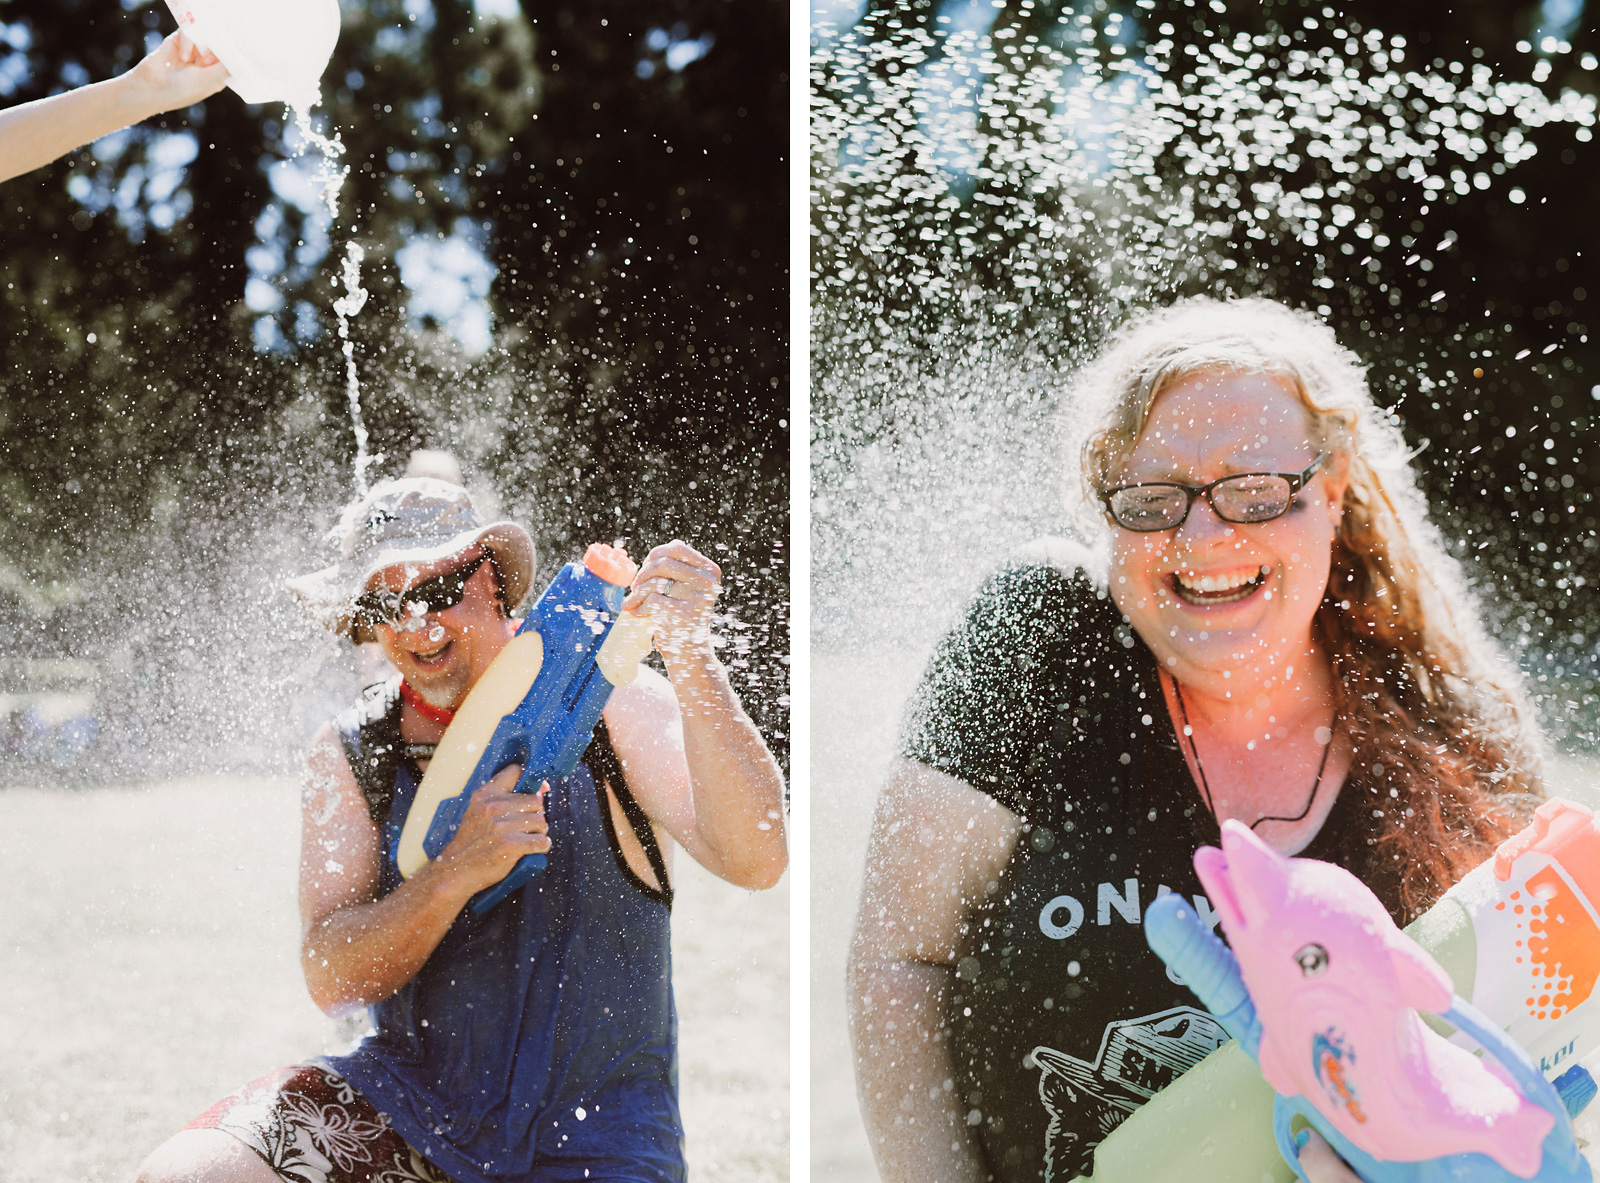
[1245, 498]
[382, 606]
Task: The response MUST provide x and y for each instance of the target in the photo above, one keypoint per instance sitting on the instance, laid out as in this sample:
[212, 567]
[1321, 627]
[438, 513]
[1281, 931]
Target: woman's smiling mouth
[1222, 588]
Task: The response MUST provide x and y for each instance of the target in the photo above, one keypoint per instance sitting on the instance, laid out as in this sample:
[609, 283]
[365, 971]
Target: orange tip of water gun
[610, 563]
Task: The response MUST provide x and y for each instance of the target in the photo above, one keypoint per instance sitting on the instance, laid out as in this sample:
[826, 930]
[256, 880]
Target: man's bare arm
[356, 948]
[693, 757]
[938, 849]
[706, 778]
[173, 75]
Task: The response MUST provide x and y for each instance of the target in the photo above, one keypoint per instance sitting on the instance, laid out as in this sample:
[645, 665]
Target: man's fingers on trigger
[517, 806]
[522, 823]
[526, 805]
[507, 778]
[525, 837]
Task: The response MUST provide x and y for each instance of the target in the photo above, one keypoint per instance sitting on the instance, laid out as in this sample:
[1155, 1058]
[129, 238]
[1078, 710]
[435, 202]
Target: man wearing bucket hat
[537, 1040]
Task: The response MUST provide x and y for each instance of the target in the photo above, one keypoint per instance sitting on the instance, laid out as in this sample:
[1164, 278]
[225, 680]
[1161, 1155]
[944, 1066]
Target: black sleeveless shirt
[1062, 1021]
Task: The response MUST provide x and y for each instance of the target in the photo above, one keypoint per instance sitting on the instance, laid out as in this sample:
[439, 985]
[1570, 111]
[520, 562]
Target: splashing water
[331, 176]
[1134, 172]
[987, 205]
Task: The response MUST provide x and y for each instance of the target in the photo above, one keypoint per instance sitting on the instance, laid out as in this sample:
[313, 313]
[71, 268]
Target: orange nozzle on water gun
[610, 563]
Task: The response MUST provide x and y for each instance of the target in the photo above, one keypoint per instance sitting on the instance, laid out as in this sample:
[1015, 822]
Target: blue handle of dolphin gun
[549, 730]
[1204, 964]
[1189, 948]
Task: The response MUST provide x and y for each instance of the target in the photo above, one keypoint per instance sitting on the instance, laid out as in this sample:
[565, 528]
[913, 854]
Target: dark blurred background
[575, 229]
[1474, 302]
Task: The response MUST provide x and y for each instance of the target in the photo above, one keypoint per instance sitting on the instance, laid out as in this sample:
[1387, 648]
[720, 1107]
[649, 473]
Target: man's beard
[444, 691]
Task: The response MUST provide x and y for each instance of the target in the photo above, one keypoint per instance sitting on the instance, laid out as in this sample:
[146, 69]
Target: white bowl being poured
[275, 50]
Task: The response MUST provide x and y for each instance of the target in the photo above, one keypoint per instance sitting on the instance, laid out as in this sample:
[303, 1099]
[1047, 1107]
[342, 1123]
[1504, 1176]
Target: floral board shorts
[312, 1126]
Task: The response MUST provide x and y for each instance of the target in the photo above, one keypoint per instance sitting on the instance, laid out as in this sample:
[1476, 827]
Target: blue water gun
[536, 705]
[1210, 970]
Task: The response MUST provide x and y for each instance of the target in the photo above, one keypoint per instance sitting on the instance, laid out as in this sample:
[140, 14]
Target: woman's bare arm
[937, 851]
[174, 74]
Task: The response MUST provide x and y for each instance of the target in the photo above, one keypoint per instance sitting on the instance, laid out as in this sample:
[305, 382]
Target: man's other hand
[676, 588]
[499, 827]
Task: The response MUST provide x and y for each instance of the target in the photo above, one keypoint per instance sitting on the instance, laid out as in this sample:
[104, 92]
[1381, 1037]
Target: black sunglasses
[1243, 499]
[382, 606]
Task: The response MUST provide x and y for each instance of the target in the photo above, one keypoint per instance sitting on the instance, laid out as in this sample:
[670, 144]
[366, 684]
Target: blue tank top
[540, 1039]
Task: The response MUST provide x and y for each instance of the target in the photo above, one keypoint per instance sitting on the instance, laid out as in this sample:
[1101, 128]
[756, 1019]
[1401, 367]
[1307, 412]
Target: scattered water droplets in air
[344, 308]
[1146, 166]
[991, 196]
[330, 174]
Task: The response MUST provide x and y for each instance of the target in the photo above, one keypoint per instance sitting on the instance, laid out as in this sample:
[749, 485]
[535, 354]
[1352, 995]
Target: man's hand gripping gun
[1338, 1037]
[536, 705]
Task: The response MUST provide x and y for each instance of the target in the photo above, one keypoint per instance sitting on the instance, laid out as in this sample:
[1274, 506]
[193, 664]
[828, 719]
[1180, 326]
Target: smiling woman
[1352, 574]
[1268, 630]
[1215, 598]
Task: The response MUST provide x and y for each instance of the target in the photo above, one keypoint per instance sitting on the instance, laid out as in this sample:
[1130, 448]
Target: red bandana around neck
[424, 708]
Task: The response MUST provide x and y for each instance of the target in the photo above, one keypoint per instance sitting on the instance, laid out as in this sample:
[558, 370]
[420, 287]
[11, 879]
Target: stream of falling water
[331, 177]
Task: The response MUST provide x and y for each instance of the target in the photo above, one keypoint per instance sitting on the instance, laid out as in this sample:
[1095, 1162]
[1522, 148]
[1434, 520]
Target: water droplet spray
[277, 53]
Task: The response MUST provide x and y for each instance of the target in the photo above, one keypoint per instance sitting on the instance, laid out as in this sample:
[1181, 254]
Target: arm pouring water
[177, 73]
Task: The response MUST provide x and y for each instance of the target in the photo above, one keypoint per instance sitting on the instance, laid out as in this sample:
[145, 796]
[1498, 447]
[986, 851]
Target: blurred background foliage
[1461, 269]
[575, 230]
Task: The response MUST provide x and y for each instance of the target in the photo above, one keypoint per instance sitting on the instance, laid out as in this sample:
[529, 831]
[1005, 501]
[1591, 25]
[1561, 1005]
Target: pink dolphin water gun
[1323, 990]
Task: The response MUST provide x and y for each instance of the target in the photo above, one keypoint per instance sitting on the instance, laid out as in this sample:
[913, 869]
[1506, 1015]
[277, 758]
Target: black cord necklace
[1205, 788]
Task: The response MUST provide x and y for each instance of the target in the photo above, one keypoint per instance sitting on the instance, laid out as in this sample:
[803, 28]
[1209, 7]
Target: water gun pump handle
[1204, 964]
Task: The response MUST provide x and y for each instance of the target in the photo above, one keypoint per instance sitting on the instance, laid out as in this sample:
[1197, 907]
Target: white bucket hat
[414, 520]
